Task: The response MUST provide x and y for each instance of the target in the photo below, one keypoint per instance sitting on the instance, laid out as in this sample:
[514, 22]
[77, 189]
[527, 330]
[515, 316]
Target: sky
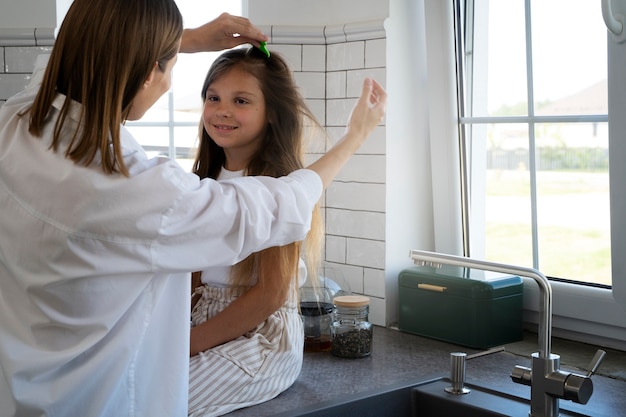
[569, 49]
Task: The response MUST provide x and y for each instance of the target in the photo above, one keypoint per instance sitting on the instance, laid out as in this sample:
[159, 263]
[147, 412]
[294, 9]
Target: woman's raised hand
[224, 32]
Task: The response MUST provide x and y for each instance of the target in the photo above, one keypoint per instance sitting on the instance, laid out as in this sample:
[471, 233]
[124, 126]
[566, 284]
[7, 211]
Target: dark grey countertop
[399, 357]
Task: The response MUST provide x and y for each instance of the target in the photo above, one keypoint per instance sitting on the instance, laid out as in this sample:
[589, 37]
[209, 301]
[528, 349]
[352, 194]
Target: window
[170, 127]
[535, 124]
[534, 134]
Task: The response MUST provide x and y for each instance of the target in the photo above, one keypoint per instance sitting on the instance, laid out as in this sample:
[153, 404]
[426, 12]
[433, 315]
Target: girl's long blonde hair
[281, 152]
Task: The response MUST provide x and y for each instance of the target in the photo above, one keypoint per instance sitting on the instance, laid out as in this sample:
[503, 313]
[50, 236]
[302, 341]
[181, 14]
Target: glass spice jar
[351, 330]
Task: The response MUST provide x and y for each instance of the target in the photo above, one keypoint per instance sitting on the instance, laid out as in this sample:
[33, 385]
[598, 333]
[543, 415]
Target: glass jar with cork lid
[351, 329]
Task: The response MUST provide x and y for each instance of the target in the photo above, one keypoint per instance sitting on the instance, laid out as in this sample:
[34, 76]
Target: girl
[252, 124]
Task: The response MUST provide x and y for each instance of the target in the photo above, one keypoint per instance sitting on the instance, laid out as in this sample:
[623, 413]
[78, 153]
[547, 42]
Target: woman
[97, 241]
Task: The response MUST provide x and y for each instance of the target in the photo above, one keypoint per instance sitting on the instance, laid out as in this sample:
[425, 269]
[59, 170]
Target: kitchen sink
[431, 400]
[394, 400]
[428, 398]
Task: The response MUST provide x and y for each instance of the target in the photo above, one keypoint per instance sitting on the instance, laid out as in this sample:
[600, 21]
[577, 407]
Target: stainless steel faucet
[547, 382]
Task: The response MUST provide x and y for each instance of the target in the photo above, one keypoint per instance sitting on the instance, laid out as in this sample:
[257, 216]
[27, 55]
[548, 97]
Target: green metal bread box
[468, 307]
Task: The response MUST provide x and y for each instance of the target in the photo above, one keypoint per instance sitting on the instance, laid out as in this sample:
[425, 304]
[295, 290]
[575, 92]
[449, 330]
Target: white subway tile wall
[365, 252]
[346, 56]
[11, 84]
[336, 85]
[291, 53]
[374, 145]
[312, 84]
[356, 196]
[374, 282]
[329, 65]
[354, 204]
[354, 81]
[378, 307]
[318, 107]
[21, 59]
[352, 274]
[336, 249]
[19, 49]
[314, 58]
[355, 223]
[376, 53]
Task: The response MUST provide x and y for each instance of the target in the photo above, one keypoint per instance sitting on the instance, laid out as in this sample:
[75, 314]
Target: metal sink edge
[426, 397]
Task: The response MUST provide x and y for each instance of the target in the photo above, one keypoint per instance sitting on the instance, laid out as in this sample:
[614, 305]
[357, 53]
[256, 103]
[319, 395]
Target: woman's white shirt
[94, 268]
[219, 276]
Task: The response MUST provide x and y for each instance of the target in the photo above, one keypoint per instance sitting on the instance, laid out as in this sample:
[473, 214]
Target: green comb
[263, 48]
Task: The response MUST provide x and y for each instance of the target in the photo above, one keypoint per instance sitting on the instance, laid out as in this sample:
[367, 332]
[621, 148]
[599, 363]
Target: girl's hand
[368, 111]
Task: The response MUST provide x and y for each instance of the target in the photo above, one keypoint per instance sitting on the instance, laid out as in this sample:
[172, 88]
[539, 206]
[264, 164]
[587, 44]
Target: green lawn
[574, 237]
[563, 252]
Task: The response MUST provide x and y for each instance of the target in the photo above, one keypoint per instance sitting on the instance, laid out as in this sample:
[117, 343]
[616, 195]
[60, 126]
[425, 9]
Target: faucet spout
[547, 382]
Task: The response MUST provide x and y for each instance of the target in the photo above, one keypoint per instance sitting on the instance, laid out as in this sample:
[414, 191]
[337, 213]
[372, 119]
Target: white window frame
[580, 312]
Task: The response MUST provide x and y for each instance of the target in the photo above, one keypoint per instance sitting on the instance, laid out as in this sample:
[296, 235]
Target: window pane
[498, 53]
[188, 77]
[569, 57]
[186, 140]
[506, 195]
[573, 201]
[190, 70]
[159, 112]
[154, 139]
[569, 156]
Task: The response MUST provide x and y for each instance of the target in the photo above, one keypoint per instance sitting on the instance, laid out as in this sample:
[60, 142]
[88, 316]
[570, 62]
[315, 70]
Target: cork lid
[351, 300]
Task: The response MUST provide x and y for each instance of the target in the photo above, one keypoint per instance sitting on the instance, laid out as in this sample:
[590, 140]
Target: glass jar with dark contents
[351, 330]
[317, 317]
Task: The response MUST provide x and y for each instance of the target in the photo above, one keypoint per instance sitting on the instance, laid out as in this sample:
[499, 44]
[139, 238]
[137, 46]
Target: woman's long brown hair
[103, 54]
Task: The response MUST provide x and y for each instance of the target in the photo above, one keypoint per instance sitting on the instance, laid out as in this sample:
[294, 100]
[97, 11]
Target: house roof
[591, 100]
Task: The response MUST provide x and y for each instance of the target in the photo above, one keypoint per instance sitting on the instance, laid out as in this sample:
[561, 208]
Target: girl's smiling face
[234, 116]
